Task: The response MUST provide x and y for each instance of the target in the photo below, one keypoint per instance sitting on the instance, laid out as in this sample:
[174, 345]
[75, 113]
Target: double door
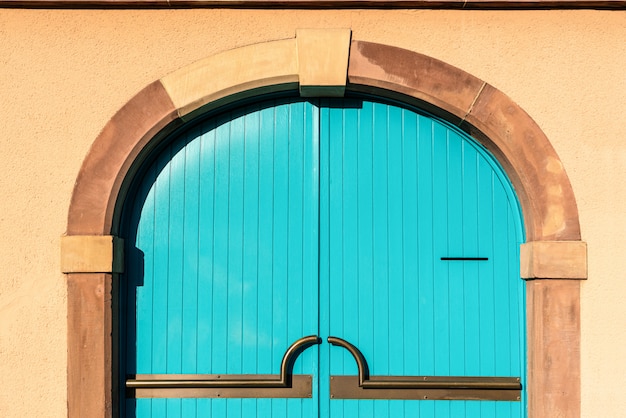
[382, 228]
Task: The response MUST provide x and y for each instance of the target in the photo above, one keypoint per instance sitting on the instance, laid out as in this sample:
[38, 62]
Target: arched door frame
[552, 260]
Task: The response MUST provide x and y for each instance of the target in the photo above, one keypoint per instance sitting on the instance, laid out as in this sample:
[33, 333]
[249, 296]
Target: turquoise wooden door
[347, 218]
[419, 242]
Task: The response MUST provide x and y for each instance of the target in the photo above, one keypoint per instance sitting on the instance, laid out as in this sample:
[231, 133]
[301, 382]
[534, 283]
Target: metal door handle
[235, 386]
[418, 387]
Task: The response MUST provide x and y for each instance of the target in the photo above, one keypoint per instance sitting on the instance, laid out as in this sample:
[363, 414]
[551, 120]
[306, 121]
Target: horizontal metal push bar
[365, 386]
[283, 385]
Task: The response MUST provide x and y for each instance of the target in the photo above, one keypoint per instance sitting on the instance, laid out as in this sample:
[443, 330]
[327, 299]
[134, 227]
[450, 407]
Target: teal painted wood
[405, 190]
[224, 270]
[226, 251]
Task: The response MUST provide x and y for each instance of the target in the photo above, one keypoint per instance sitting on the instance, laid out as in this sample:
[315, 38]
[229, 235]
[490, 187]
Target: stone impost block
[553, 260]
[92, 254]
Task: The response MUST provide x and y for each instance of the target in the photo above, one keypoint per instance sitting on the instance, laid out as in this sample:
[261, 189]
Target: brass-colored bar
[244, 381]
[282, 380]
[347, 387]
[451, 382]
[411, 387]
[300, 387]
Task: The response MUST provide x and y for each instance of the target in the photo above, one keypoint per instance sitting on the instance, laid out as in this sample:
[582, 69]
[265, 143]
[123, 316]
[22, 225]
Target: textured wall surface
[63, 74]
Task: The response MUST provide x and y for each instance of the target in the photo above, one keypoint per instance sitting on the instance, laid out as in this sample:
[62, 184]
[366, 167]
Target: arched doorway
[360, 222]
[552, 258]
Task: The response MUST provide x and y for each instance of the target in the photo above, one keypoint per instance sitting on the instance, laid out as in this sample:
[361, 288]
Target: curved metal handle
[462, 383]
[282, 380]
[292, 353]
[364, 372]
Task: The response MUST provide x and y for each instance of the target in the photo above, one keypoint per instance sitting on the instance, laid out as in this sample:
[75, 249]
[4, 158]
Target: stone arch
[553, 258]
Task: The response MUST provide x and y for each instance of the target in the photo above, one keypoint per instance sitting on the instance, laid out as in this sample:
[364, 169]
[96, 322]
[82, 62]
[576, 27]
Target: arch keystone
[323, 61]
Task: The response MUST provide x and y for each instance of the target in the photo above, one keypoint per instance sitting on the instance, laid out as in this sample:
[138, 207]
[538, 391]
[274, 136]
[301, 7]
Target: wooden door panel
[226, 258]
[405, 191]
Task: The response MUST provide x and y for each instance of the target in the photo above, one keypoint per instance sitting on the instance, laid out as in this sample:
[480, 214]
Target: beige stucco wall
[63, 74]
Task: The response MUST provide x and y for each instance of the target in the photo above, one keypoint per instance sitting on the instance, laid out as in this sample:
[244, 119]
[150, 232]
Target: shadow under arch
[545, 193]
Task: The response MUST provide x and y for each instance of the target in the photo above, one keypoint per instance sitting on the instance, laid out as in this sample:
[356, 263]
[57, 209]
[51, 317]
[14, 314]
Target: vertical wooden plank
[265, 247]
[234, 355]
[474, 323]
[444, 288]
[361, 126]
[458, 322]
[206, 268]
[234, 317]
[324, 262]
[160, 283]
[310, 290]
[294, 324]
[142, 272]
[365, 295]
[280, 216]
[395, 244]
[351, 272]
[486, 270]
[410, 257]
[410, 267]
[234, 322]
[280, 233]
[380, 306]
[149, 293]
[425, 253]
[518, 304]
[501, 285]
[175, 274]
[188, 408]
[395, 273]
[441, 274]
[379, 353]
[266, 239]
[219, 302]
[189, 349]
[250, 276]
[486, 274]
[161, 264]
[295, 205]
[335, 226]
[347, 214]
[310, 407]
[206, 185]
[336, 287]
